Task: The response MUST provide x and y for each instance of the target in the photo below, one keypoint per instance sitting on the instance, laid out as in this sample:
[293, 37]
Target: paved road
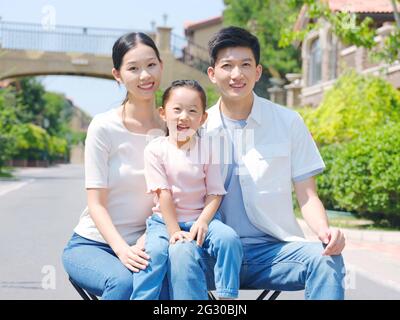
[39, 211]
[36, 221]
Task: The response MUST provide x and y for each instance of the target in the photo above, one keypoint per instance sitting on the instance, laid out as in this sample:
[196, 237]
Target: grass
[6, 172]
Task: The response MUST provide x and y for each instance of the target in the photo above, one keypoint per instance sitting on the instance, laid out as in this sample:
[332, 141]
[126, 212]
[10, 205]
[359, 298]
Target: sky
[98, 95]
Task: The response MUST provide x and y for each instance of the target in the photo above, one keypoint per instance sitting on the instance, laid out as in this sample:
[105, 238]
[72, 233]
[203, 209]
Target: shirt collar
[214, 119]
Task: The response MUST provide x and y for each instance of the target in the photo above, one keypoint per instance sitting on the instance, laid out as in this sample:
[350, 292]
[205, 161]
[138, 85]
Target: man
[269, 148]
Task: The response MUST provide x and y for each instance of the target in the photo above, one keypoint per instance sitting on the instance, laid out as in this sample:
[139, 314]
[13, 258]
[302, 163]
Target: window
[315, 73]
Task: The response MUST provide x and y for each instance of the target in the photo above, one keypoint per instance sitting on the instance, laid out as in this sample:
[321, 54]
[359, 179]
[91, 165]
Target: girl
[106, 246]
[187, 189]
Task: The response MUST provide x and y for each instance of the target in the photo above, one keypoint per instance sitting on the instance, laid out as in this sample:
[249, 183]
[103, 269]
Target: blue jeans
[221, 242]
[285, 266]
[95, 267]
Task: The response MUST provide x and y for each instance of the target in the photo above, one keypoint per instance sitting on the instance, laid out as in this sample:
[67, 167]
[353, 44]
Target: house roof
[191, 26]
[361, 6]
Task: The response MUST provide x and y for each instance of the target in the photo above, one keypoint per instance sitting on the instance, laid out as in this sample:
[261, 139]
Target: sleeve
[154, 170]
[308, 175]
[305, 158]
[214, 183]
[97, 151]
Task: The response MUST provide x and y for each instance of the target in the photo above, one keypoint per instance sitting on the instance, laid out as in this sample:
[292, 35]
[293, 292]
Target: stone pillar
[163, 38]
[293, 90]
[277, 93]
[325, 42]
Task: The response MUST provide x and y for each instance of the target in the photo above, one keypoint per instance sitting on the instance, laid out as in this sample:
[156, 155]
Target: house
[325, 57]
[197, 35]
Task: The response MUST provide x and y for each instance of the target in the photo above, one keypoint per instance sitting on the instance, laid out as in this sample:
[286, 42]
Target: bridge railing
[189, 53]
[58, 38]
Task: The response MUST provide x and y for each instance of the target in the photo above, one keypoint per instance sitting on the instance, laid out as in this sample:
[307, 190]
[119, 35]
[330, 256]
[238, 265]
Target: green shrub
[356, 104]
[32, 142]
[57, 148]
[357, 129]
[363, 176]
[324, 180]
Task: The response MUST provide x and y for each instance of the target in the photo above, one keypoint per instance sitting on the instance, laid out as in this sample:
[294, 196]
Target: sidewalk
[373, 254]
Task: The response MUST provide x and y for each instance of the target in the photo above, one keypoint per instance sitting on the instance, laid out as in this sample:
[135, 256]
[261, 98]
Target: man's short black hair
[233, 37]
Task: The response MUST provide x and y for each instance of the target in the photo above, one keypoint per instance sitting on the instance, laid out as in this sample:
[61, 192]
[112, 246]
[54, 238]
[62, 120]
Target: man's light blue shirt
[232, 207]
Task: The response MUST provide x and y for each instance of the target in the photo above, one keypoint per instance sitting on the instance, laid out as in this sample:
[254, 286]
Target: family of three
[182, 201]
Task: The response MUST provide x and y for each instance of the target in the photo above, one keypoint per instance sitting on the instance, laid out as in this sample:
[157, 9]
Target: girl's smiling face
[184, 113]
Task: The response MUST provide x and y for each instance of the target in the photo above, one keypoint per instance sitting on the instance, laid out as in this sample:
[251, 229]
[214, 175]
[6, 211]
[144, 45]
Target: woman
[107, 245]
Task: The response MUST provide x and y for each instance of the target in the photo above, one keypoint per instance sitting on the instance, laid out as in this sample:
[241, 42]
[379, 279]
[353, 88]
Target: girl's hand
[133, 257]
[180, 235]
[198, 231]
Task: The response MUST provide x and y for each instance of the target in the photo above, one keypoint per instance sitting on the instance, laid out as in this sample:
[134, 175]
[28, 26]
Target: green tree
[34, 124]
[349, 27]
[266, 19]
[8, 119]
[30, 101]
[57, 113]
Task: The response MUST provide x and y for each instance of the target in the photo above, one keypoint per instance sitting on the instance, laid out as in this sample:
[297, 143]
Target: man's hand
[180, 235]
[334, 240]
[198, 231]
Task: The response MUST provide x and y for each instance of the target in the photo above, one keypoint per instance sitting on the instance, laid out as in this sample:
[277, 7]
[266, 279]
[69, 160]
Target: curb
[379, 236]
[373, 235]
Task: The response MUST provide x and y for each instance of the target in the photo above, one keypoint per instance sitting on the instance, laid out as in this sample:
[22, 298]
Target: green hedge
[357, 127]
[355, 105]
[363, 176]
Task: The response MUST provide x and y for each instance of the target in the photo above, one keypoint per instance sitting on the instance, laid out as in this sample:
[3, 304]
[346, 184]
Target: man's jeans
[221, 242]
[95, 267]
[285, 266]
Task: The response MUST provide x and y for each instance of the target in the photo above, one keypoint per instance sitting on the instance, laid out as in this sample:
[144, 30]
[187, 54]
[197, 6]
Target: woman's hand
[180, 235]
[133, 257]
[198, 231]
[140, 242]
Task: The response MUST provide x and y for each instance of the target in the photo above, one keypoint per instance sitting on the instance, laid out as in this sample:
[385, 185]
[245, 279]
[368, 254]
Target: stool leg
[82, 293]
[262, 295]
[211, 296]
[275, 295]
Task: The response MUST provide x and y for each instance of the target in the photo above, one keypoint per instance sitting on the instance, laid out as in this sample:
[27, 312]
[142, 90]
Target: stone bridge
[35, 49]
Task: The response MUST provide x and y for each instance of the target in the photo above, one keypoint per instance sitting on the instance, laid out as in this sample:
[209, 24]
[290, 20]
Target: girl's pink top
[191, 175]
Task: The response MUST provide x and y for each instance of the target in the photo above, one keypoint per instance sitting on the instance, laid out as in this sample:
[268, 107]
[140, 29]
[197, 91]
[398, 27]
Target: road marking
[14, 186]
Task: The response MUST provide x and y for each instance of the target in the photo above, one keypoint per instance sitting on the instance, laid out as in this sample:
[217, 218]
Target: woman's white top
[114, 161]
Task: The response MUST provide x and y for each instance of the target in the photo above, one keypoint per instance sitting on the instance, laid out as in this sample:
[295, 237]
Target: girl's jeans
[221, 243]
